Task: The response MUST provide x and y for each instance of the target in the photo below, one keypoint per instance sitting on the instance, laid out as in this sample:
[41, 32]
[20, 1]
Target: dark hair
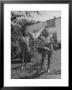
[23, 32]
[45, 33]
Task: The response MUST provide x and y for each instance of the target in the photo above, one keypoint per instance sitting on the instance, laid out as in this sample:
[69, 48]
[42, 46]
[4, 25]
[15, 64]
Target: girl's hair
[24, 33]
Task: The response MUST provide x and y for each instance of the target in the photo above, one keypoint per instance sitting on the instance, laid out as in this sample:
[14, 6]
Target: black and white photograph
[36, 44]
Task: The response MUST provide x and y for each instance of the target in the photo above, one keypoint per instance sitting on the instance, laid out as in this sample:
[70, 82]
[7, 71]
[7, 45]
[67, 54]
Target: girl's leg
[43, 57]
[23, 57]
[49, 58]
[42, 61]
[22, 62]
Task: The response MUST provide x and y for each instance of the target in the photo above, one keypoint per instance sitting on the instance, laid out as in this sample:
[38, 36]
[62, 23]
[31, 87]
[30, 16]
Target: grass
[33, 66]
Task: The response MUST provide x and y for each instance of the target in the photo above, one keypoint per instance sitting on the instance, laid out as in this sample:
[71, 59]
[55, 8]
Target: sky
[44, 15]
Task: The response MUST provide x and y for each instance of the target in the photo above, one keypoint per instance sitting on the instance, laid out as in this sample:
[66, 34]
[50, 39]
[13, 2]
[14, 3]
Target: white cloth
[26, 40]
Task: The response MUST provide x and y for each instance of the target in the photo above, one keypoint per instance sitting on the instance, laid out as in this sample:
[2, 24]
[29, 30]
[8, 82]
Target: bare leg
[42, 61]
[25, 66]
[22, 63]
[26, 58]
[49, 58]
[43, 57]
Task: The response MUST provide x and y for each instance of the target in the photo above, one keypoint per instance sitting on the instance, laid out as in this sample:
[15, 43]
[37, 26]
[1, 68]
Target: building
[51, 26]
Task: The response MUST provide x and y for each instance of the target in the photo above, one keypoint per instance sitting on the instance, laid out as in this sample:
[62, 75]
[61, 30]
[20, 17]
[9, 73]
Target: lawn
[31, 70]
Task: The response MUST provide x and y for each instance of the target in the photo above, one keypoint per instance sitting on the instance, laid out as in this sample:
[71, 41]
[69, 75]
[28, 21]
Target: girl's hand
[53, 51]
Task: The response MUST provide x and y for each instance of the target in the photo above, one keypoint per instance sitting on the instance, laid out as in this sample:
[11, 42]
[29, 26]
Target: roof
[36, 29]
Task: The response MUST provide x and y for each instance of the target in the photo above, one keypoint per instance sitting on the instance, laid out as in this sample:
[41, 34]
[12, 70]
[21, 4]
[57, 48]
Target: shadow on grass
[34, 76]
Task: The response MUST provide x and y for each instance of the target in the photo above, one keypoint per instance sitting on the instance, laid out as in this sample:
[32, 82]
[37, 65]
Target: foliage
[18, 24]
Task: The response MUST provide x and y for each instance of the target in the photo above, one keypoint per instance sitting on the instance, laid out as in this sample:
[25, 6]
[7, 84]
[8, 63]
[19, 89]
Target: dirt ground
[31, 70]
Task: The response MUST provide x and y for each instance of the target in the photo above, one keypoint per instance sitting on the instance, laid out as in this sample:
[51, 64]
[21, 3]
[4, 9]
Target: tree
[19, 22]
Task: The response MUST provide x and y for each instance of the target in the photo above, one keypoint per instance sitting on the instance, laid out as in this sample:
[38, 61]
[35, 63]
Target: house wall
[36, 28]
[57, 28]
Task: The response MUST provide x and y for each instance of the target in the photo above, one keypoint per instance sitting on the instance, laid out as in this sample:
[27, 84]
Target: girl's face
[27, 38]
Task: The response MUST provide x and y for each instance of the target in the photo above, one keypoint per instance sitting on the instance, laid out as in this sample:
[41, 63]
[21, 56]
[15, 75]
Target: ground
[31, 71]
